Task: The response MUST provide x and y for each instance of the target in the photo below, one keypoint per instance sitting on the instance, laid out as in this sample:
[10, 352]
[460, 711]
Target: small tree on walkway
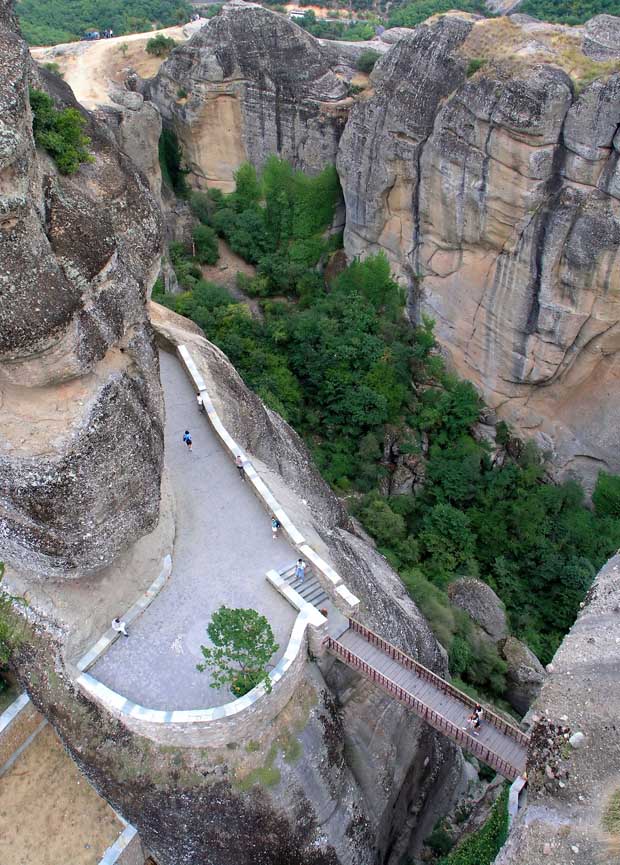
[243, 644]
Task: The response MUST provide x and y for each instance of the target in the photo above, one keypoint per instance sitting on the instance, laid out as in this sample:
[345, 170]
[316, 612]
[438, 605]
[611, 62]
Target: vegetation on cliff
[345, 368]
[48, 22]
[412, 14]
[482, 847]
[61, 133]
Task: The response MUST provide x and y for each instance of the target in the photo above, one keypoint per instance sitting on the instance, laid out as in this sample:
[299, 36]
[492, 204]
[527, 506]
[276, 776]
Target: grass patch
[266, 775]
[611, 817]
[482, 847]
[252, 746]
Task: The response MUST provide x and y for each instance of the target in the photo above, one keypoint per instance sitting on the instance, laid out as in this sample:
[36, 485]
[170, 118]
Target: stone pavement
[222, 551]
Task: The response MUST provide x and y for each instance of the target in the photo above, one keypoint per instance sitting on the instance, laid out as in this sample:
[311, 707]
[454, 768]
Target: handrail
[424, 673]
[425, 712]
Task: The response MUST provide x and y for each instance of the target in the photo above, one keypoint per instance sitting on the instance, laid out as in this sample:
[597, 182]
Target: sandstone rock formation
[525, 674]
[256, 84]
[136, 125]
[563, 824]
[482, 604]
[496, 200]
[601, 38]
[81, 411]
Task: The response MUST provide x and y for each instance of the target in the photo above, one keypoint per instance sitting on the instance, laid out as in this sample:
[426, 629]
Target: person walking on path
[239, 464]
[275, 525]
[119, 627]
[187, 439]
[300, 570]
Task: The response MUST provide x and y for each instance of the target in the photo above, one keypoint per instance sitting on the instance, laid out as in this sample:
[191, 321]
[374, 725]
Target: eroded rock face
[601, 37]
[482, 604]
[525, 674]
[80, 424]
[581, 693]
[256, 84]
[496, 199]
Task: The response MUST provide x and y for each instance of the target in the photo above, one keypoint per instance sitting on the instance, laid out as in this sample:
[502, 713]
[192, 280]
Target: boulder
[525, 675]
[483, 605]
[601, 38]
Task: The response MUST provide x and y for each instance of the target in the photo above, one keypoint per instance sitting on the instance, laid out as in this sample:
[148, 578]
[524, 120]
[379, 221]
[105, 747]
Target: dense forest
[569, 11]
[48, 22]
[342, 364]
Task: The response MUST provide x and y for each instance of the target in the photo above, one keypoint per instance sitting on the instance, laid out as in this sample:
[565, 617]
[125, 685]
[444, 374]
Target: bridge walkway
[498, 743]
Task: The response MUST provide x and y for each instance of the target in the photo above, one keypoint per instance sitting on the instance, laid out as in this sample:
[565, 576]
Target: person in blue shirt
[187, 439]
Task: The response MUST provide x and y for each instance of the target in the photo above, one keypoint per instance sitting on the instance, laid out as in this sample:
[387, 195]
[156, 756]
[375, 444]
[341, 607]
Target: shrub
[474, 65]
[205, 244]
[170, 161]
[160, 45]
[367, 59]
[440, 841]
[61, 133]
[54, 68]
[181, 93]
[482, 847]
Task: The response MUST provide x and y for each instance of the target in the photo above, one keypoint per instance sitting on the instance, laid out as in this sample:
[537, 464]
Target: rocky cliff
[495, 197]
[569, 820]
[492, 186]
[255, 84]
[81, 411]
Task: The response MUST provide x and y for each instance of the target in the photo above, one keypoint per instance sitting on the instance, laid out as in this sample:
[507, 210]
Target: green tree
[160, 45]
[606, 496]
[243, 645]
[61, 133]
[205, 243]
[247, 187]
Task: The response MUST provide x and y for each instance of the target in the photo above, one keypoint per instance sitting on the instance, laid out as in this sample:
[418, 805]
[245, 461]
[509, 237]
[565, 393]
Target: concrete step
[309, 588]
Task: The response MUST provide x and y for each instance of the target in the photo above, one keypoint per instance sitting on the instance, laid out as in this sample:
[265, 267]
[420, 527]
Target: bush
[181, 93]
[61, 133]
[440, 841]
[414, 13]
[205, 243]
[160, 45]
[367, 59]
[54, 68]
[474, 65]
[482, 847]
[170, 161]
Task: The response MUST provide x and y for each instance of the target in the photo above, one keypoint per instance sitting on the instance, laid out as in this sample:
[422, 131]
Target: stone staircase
[309, 588]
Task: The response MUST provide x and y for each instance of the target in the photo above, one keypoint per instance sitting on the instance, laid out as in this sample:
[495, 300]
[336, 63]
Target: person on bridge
[275, 525]
[239, 464]
[187, 439]
[300, 570]
[474, 720]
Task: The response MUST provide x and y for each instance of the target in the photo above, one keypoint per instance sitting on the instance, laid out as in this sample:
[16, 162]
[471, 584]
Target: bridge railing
[424, 673]
[462, 738]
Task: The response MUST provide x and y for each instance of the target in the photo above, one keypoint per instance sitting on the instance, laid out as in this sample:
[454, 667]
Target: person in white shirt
[119, 627]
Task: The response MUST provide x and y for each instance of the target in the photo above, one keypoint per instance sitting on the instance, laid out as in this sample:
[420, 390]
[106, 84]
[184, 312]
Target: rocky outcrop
[563, 821]
[601, 38]
[525, 674]
[496, 200]
[256, 84]
[79, 390]
[482, 604]
[136, 125]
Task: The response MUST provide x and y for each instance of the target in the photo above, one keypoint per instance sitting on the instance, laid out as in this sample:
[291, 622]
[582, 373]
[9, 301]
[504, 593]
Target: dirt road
[92, 68]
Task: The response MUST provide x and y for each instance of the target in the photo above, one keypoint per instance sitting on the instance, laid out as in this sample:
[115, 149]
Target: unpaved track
[92, 68]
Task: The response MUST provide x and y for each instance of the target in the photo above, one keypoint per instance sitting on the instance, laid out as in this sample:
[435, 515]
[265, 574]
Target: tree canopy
[243, 645]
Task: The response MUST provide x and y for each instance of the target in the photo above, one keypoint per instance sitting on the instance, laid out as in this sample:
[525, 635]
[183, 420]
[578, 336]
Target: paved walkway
[223, 548]
[447, 705]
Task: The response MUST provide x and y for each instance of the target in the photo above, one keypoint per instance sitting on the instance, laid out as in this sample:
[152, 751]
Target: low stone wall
[20, 721]
[220, 725]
